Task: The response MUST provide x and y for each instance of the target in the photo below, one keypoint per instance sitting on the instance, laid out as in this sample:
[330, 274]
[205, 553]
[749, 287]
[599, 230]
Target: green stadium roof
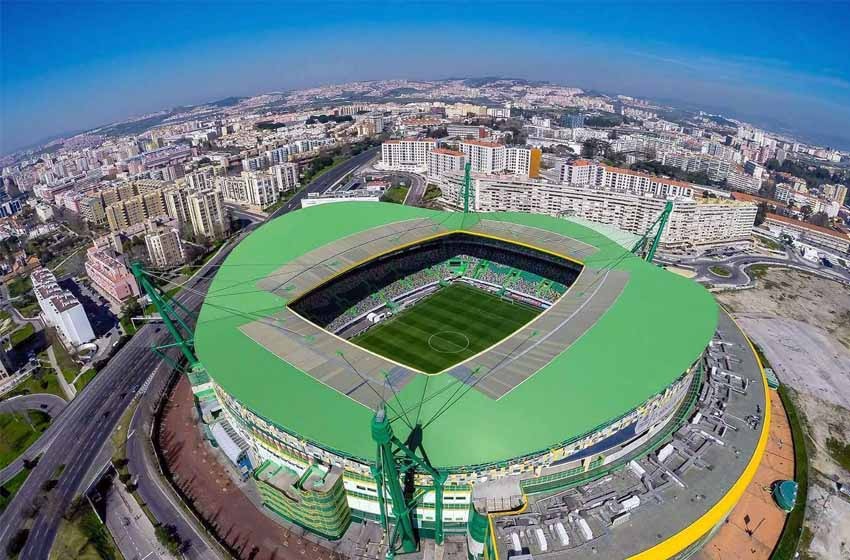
[652, 333]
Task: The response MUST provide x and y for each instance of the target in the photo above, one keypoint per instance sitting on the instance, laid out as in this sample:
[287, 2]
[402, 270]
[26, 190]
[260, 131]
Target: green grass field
[456, 322]
[18, 432]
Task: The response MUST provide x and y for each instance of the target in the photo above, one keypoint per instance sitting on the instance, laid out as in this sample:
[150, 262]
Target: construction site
[394, 380]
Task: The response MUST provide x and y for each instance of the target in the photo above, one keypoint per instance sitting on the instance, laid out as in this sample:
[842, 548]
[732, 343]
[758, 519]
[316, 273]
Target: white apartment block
[524, 161]
[208, 215]
[743, 182]
[252, 188]
[835, 192]
[595, 175]
[165, 248]
[177, 205]
[443, 160]
[61, 309]
[692, 222]
[716, 168]
[254, 163]
[204, 178]
[286, 176]
[485, 157]
[407, 154]
[799, 197]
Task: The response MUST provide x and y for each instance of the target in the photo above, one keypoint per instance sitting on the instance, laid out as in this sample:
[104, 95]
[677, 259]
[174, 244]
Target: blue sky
[68, 66]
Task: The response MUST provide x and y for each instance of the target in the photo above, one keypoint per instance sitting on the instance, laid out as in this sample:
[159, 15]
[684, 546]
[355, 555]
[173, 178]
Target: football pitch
[447, 327]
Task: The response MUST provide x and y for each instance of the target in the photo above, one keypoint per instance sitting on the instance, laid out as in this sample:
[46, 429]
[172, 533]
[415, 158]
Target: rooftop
[807, 225]
[570, 394]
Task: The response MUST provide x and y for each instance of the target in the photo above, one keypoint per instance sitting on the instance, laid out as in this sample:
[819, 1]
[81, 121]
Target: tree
[819, 219]
[761, 213]
[169, 538]
[806, 211]
[593, 147]
[17, 542]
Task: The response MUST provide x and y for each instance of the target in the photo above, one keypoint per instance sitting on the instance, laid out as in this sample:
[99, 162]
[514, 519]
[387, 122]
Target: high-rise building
[135, 210]
[177, 205]
[408, 154]
[251, 188]
[286, 176]
[694, 221]
[204, 177]
[595, 175]
[443, 160]
[207, 214]
[485, 157]
[165, 248]
[835, 192]
[490, 157]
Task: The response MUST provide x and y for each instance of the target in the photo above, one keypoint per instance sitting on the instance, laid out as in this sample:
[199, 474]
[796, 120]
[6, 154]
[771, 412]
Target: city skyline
[763, 70]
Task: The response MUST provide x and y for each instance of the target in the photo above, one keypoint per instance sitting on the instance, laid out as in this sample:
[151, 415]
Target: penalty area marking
[455, 341]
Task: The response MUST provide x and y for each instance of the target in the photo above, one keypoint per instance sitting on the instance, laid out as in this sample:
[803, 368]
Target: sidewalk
[130, 527]
[69, 390]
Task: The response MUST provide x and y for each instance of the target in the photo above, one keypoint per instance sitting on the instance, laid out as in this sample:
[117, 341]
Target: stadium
[523, 354]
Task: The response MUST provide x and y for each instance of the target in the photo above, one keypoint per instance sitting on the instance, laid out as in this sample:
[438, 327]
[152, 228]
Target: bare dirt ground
[802, 323]
[248, 532]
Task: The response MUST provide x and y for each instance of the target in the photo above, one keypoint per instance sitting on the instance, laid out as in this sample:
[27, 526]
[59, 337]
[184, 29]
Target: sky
[68, 66]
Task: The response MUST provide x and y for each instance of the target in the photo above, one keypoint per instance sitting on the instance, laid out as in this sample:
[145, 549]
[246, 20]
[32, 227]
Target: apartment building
[716, 168]
[176, 204]
[204, 178]
[408, 154]
[443, 160]
[835, 192]
[61, 309]
[485, 157]
[467, 131]
[286, 176]
[207, 214]
[524, 161]
[165, 249]
[800, 197]
[595, 175]
[136, 209]
[692, 222]
[110, 275]
[738, 181]
[257, 189]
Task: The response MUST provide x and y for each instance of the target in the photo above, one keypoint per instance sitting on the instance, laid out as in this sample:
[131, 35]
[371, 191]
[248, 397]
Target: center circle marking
[448, 342]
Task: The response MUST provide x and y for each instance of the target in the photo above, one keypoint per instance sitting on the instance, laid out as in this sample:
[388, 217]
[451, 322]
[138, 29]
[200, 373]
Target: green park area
[82, 536]
[19, 430]
[8, 490]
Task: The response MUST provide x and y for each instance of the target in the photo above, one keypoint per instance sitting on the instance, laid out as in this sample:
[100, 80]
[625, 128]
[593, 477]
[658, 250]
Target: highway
[80, 433]
[324, 181]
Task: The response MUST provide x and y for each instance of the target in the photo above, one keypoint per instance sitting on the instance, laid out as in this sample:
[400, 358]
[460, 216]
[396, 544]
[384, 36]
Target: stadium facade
[612, 363]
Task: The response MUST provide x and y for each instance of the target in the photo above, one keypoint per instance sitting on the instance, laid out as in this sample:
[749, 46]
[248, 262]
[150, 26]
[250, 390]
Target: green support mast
[169, 317]
[661, 222]
[396, 460]
[467, 186]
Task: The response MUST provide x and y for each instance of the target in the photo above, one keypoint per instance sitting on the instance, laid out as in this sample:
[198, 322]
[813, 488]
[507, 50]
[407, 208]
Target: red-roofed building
[807, 232]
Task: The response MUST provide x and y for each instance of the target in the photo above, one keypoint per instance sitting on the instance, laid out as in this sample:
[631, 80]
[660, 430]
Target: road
[324, 181]
[86, 425]
[88, 421]
[738, 263]
[50, 404]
